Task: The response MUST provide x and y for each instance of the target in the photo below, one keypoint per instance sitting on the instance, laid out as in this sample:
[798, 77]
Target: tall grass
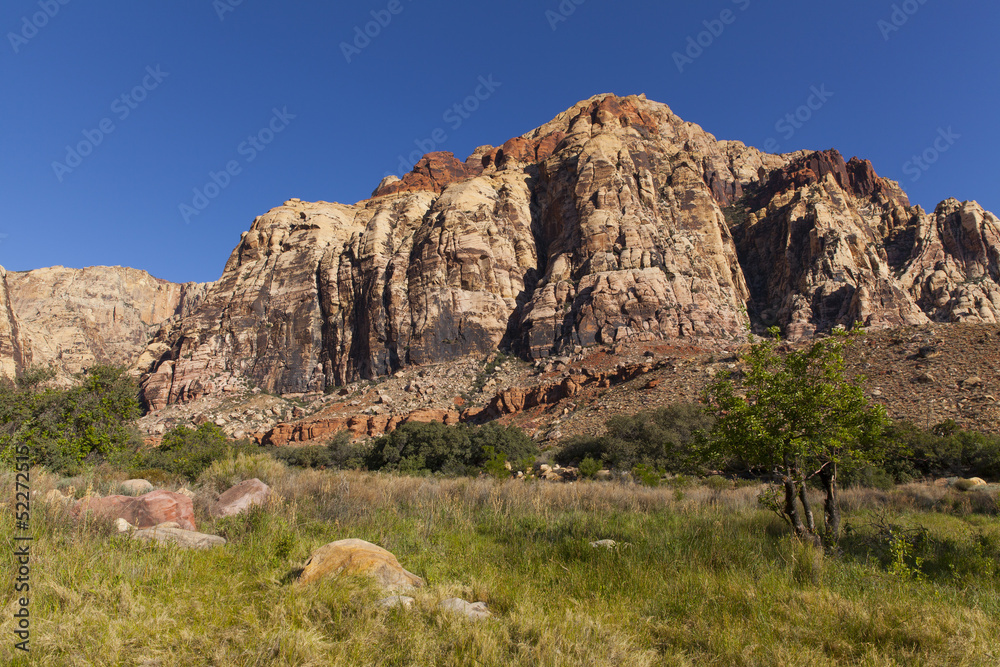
[699, 577]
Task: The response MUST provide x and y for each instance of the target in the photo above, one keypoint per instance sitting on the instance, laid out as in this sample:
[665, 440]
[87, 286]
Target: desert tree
[795, 412]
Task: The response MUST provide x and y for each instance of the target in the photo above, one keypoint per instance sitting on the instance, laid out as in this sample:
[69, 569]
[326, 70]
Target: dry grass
[703, 577]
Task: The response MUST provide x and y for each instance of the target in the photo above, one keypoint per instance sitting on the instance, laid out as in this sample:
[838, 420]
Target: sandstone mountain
[72, 319]
[616, 221]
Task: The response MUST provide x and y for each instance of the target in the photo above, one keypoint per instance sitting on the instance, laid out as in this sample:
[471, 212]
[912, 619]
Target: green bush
[647, 475]
[496, 464]
[589, 467]
[942, 451]
[718, 483]
[317, 456]
[453, 450]
[667, 438]
[92, 421]
[188, 452]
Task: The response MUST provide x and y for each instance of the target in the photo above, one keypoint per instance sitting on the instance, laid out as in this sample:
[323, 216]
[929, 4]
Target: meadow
[701, 575]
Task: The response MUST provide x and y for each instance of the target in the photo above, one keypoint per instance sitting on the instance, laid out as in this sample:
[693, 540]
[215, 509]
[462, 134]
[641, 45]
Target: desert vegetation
[686, 554]
[697, 575]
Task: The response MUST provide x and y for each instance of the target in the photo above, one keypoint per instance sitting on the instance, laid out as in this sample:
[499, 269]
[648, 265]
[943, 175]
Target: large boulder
[146, 511]
[241, 498]
[357, 557]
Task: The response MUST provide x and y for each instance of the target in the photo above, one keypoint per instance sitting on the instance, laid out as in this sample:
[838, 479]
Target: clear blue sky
[220, 80]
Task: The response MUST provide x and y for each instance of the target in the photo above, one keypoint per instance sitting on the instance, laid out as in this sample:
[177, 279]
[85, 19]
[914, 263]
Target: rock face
[605, 223]
[616, 220]
[146, 511]
[13, 356]
[76, 318]
[357, 557]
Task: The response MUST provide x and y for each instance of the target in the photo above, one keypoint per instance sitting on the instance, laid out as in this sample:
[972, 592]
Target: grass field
[701, 577]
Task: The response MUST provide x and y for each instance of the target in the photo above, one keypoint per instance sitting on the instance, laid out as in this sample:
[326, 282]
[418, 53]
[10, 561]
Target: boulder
[56, 497]
[171, 533]
[473, 610]
[241, 498]
[394, 601]
[136, 487]
[357, 557]
[969, 484]
[604, 544]
[144, 511]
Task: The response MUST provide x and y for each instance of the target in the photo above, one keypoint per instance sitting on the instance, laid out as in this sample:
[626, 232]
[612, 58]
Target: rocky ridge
[72, 319]
[615, 221]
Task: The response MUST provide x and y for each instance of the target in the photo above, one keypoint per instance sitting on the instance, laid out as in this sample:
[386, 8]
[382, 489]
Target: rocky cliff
[616, 220]
[13, 356]
[75, 318]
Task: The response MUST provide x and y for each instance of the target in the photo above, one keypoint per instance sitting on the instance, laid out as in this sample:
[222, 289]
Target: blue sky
[183, 86]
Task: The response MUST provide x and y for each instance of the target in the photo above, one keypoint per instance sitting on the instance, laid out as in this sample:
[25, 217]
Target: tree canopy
[795, 412]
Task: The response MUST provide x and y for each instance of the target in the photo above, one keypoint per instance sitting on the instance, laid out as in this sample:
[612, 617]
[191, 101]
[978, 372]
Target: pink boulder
[144, 511]
[241, 497]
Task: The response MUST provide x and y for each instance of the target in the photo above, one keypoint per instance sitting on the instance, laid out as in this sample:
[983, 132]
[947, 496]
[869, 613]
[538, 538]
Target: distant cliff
[75, 318]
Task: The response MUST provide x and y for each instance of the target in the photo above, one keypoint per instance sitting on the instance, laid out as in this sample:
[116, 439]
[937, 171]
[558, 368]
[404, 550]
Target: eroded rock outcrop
[603, 224]
[13, 355]
[616, 220]
[73, 319]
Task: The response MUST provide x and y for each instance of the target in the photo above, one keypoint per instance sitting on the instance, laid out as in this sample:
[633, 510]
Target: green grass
[705, 578]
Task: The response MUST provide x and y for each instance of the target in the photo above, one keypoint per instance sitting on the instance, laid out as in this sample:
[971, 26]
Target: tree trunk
[791, 509]
[831, 507]
[806, 509]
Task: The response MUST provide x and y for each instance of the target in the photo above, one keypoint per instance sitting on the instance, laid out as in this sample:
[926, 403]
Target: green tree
[92, 420]
[797, 414]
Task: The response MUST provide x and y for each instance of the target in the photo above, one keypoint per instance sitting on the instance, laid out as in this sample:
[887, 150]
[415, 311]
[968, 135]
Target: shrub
[187, 452]
[454, 450]
[718, 483]
[344, 453]
[667, 438]
[227, 472]
[589, 467]
[92, 421]
[646, 475]
[496, 464]
[317, 456]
